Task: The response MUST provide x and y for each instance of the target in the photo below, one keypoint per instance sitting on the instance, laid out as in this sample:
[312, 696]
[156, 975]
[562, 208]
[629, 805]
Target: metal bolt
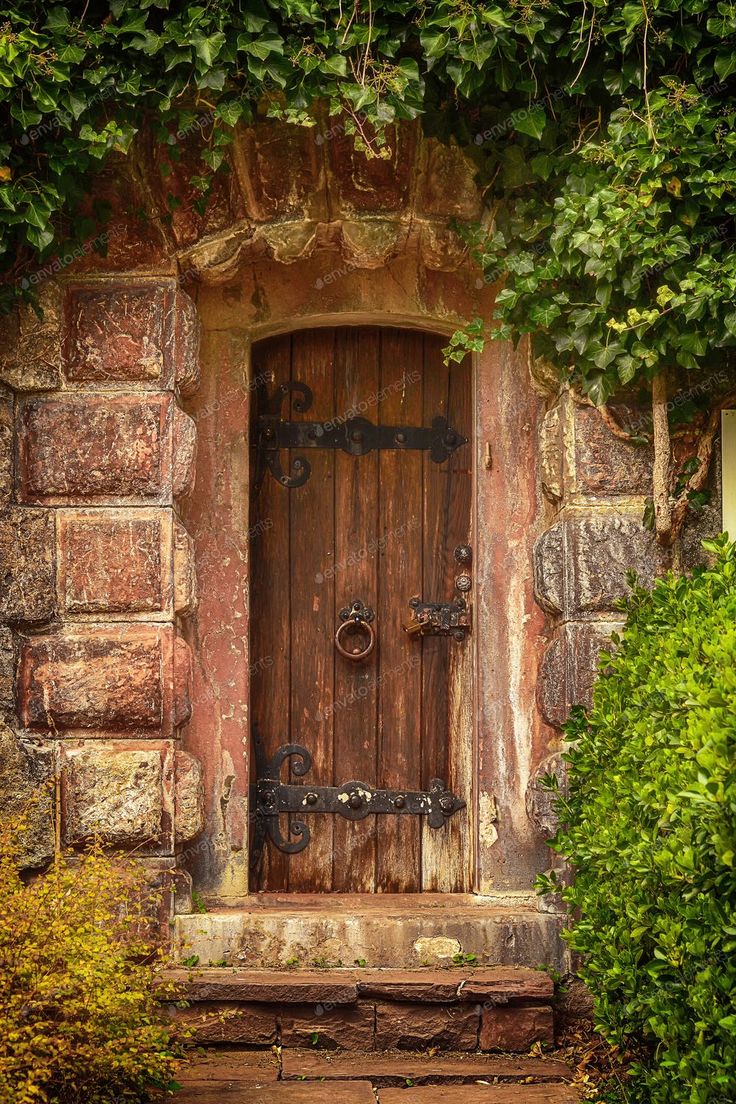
[447, 803]
[399, 802]
[312, 799]
[355, 801]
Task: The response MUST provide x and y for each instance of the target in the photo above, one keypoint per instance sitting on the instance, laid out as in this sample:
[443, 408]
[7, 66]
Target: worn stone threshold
[382, 930]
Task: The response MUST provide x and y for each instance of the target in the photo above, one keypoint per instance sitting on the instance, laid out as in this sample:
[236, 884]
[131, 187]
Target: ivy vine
[603, 134]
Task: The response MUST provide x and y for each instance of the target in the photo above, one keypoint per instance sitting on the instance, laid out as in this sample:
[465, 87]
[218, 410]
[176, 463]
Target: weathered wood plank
[400, 510]
[270, 637]
[357, 380]
[313, 607]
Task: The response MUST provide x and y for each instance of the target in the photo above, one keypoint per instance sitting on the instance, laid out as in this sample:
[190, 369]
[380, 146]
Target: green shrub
[650, 829]
[79, 1018]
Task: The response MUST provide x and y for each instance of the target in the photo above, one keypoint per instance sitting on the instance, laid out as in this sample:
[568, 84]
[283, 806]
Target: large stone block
[541, 802]
[118, 562]
[166, 889]
[569, 667]
[249, 1024]
[581, 562]
[131, 678]
[27, 586]
[550, 454]
[375, 185]
[600, 462]
[327, 1027]
[184, 571]
[145, 333]
[8, 660]
[26, 795]
[516, 1029]
[30, 347]
[549, 569]
[92, 448]
[446, 186]
[119, 794]
[418, 1026]
[188, 797]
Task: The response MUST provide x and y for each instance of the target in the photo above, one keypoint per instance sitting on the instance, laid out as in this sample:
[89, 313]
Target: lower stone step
[402, 1070]
[486, 1008]
[295, 1077]
[362, 1092]
[477, 1094]
[345, 1092]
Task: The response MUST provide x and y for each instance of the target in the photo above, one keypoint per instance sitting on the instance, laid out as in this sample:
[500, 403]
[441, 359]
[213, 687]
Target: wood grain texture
[270, 636]
[379, 528]
[447, 735]
[312, 529]
[400, 526]
[357, 376]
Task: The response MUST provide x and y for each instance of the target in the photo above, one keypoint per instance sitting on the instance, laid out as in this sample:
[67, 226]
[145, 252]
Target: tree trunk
[662, 461]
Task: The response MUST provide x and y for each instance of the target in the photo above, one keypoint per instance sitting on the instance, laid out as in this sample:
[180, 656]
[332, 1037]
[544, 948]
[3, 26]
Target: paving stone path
[309, 1077]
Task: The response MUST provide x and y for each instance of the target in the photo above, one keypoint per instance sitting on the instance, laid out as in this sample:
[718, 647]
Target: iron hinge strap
[354, 801]
[356, 436]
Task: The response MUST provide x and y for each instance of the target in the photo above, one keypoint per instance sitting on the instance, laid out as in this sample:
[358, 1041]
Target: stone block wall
[95, 455]
[596, 485]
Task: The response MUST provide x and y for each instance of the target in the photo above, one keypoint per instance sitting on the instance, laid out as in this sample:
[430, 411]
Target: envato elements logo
[62, 119]
[511, 121]
[63, 260]
[361, 692]
[643, 423]
[358, 555]
[371, 400]
[493, 274]
[338, 130]
[335, 274]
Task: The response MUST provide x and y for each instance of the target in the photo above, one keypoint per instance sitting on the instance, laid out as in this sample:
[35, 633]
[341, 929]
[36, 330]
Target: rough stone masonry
[98, 606]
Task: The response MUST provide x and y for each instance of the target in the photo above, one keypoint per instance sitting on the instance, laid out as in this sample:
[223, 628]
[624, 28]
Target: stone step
[303, 1077]
[223, 1065]
[386, 930]
[487, 1008]
[362, 1092]
[336, 1092]
[478, 1094]
[418, 1069]
[495, 985]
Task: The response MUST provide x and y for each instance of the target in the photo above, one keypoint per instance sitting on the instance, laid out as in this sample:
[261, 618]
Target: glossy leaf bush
[80, 1020]
[650, 830]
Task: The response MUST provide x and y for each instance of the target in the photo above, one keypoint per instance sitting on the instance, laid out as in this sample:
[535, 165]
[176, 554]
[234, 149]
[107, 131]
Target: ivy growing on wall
[603, 133]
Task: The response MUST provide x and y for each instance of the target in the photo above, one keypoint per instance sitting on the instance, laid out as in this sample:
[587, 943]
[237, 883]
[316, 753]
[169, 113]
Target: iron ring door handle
[360, 615]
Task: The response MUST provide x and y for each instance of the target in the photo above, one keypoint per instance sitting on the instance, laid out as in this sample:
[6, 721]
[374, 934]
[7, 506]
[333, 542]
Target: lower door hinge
[271, 798]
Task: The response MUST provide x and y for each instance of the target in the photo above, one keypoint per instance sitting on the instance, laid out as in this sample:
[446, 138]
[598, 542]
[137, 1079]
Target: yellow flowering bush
[80, 1021]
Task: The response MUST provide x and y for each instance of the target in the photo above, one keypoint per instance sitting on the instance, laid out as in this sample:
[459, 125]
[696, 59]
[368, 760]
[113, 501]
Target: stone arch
[100, 410]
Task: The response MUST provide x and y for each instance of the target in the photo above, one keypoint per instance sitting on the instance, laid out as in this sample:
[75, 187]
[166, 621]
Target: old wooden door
[377, 528]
